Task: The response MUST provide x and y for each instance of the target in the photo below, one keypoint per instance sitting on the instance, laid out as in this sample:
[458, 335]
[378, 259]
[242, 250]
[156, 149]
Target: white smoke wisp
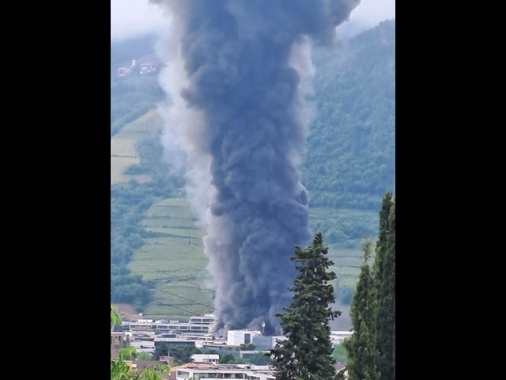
[300, 60]
[184, 127]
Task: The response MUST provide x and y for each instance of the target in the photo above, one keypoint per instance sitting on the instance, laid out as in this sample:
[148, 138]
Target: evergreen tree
[361, 346]
[383, 230]
[385, 283]
[307, 351]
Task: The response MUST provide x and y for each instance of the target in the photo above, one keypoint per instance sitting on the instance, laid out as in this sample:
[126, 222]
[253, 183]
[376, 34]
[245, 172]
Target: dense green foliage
[128, 203]
[131, 97]
[247, 347]
[231, 359]
[115, 318]
[308, 350]
[121, 371]
[143, 356]
[181, 353]
[260, 359]
[385, 288]
[339, 353]
[161, 350]
[361, 347]
[350, 159]
[343, 228]
[371, 349]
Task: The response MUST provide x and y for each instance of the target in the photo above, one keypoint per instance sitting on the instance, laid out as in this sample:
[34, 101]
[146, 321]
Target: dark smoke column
[243, 62]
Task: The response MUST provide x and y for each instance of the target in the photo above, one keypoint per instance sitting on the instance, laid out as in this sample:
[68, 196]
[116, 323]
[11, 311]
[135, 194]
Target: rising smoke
[235, 74]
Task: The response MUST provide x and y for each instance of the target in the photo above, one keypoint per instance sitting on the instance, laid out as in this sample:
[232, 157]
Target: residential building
[199, 371]
[205, 358]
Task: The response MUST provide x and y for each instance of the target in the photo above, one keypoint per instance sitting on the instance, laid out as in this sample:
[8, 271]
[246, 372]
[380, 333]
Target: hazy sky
[130, 17]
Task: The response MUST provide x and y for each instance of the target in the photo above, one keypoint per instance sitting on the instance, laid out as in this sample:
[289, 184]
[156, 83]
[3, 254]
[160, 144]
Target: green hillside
[157, 256]
[350, 159]
[173, 261]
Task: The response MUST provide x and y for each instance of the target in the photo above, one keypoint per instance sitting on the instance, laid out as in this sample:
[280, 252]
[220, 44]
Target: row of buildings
[146, 335]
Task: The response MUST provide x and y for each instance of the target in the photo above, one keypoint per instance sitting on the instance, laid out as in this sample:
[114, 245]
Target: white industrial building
[238, 337]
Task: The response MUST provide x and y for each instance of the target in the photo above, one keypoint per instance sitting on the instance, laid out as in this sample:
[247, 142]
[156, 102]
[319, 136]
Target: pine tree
[385, 287]
[307, 351]
[361, 346]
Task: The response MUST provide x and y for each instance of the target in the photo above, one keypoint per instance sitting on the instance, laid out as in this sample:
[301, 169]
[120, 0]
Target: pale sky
[131, 17]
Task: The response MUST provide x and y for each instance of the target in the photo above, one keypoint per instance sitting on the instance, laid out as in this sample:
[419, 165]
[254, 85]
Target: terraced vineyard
[175, 261]
[123, 152]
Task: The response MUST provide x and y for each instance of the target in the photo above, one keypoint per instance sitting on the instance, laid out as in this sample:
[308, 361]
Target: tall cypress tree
[371, 349]
[381, 242]
[361, 346]
[385, 287]
[307, 351]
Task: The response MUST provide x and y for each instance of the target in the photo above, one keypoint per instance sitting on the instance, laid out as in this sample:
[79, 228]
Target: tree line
[350, 158]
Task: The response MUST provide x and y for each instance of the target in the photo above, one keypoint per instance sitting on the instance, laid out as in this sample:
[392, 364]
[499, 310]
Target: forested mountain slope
[134, 95]
[350, 159]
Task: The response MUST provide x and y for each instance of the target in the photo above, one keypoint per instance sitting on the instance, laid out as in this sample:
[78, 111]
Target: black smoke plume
[239, 104]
